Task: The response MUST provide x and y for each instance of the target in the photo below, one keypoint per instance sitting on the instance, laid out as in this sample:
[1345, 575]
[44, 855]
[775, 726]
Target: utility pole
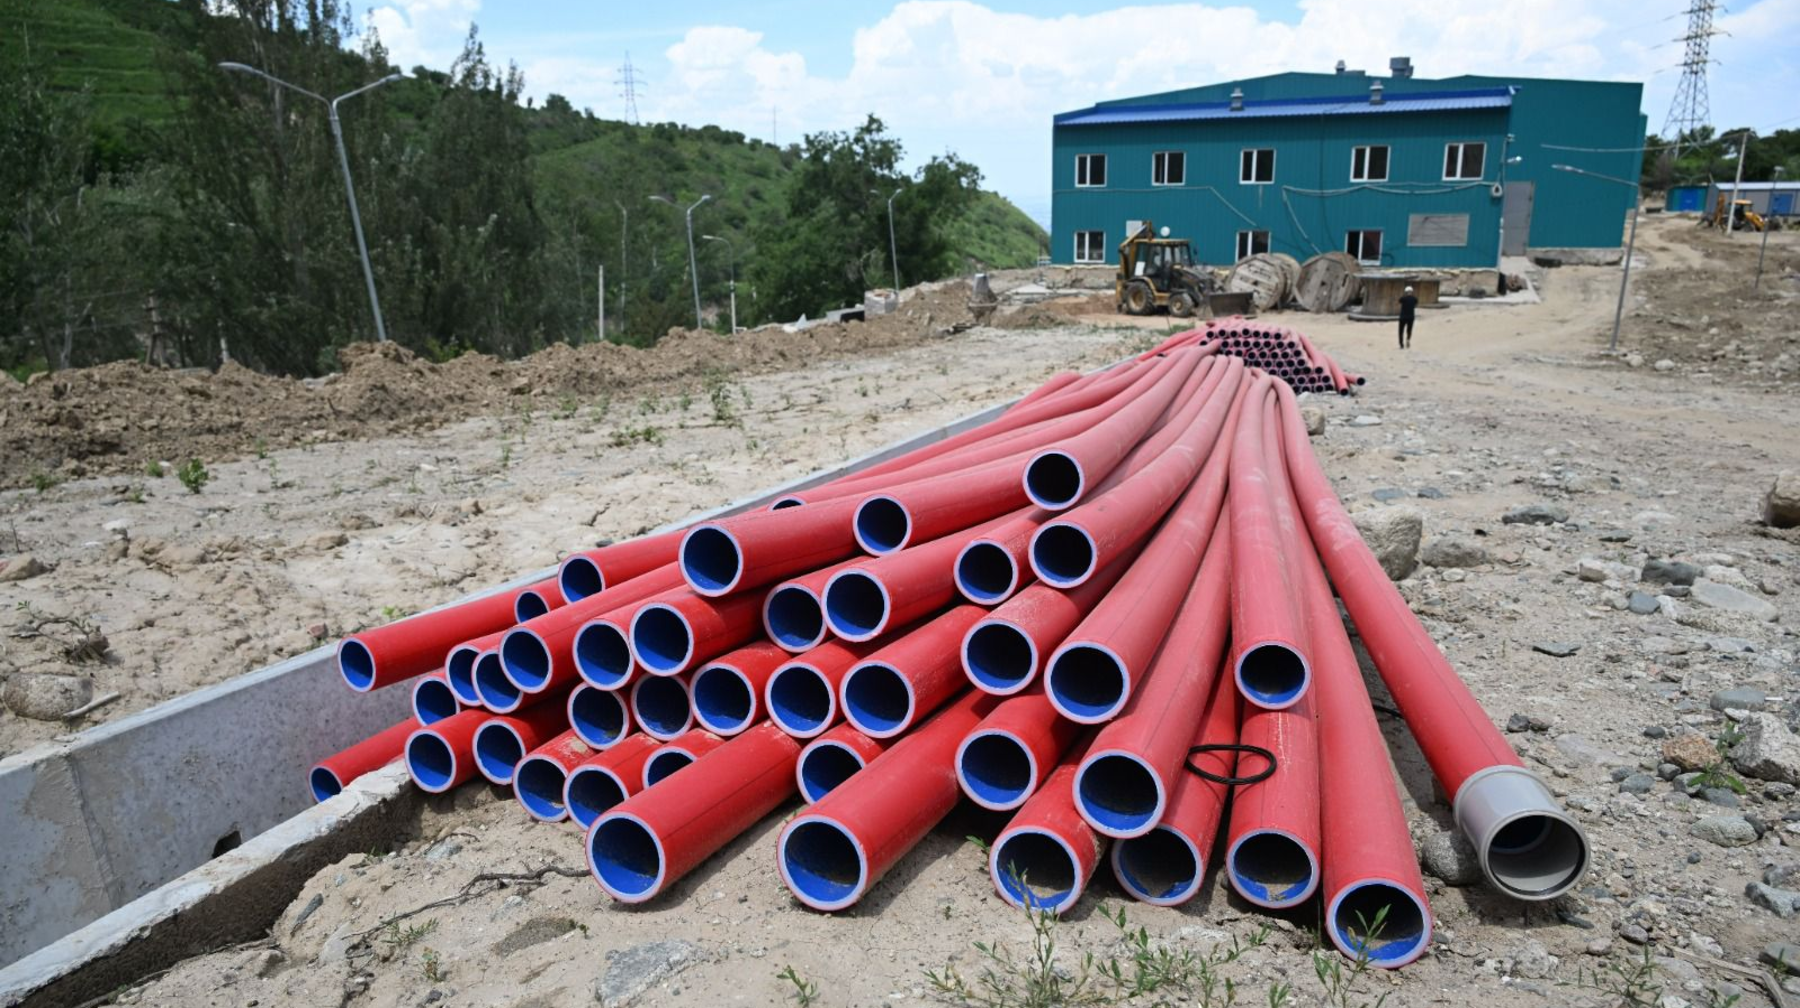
[1737, 185]
[731, 253]
[624, 262]
[602, 326]
[1637, 197]
[1760, 252]
[337, 135]
[893, 247]
[1690, 109]
[693, 269]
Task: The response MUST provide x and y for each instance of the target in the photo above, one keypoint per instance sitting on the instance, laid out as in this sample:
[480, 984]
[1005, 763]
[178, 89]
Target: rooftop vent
[1237, 99]
[1375, 93]
[1400, 66]
[1340, 67]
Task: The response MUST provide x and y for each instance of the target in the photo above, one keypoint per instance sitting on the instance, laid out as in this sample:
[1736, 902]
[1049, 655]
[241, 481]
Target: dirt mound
[1706, 317]
[118, 417]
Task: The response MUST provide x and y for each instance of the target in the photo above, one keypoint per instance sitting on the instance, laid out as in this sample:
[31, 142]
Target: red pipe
[1529, 847]
[617, 563]
[1006, 758]
[750, 550]
[1273, 855]
[459, 666]
[542, 777]
[537, 600]
[801, 696]
[681, 629]
[1267, 638]
[539, 654]
[728, 691]
[1052, 385]
[1165, 866]
[503, 739]
[432, 699]
[418, 644]
[869, 598]
[442, 756]
[607, 778]
[1047, 853]
[1059, 476]
[885, 693]
[992, 567]
[682, 751]
[655, 837]
[793, 613]
[836, 849]
[335, 772]
[1124, 783]
[924, 510]
[833, 758]
[1003, 653]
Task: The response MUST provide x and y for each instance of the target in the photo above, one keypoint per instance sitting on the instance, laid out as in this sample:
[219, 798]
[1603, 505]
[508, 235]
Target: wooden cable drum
[1328, 282]
[1292, 267]
[1263, 277]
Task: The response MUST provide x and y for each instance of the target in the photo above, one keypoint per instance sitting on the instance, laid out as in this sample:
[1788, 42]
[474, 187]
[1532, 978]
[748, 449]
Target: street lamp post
[693, 270]
[1630, 243]
[337, 134]
[624, 262]
[731, 257]
[1767, 220]
[893, 246]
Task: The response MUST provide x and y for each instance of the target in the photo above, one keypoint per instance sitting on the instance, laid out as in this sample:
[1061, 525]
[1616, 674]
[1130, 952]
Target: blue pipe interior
[497, 751]
[721, 698]
[1272, 674]
[591, 794]
[824, 767]
[799, 699]
[663, 763]
[1401, 930]
[459, 668]
[496, 691]
[795, 617]
[999, 656]
[357, 664]
[540, 786]
[660, 639]
[1158, 865]
[529, 605]
[663, 706]
[1063, 554]
[431, 762]
[1087, 681]
[603, 655]
[882, 525]
[985, 572]
[324, 784]
[1271, 867]
[433, 701]
[875, 696]
[998, 770]
[579, 578]
[526, 657]
[1053, 480]
[598, 717]
[822, 862]
[710, 559]
[624, 855]
[855, 605]
[1035, 870]
[1118, 792]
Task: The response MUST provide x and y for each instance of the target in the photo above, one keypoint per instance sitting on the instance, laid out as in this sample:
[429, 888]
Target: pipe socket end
[1527, 845]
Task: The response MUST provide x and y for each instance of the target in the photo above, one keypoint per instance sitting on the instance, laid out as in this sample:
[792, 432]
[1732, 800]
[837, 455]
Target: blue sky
[983, 78]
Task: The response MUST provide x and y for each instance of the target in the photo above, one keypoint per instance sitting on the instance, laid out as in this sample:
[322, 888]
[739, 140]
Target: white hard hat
[1409, 290]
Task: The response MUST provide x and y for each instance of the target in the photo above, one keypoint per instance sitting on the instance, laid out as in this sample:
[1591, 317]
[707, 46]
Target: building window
[1090, 170]
[1257, 166]
[1251, 243]
[1364, 245]
[1168, 168]
[1463, 161]
[1090, 246]
[1369, 164]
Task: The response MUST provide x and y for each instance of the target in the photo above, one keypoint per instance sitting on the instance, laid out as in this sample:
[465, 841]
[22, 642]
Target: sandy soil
[1494, 407]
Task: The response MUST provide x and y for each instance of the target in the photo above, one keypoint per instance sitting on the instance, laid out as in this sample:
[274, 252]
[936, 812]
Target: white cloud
[423, 32]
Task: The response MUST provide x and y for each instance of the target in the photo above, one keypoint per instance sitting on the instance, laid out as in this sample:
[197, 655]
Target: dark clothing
[1408, 304]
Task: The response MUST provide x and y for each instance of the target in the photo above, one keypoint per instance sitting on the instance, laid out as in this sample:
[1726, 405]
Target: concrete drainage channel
[141, 843]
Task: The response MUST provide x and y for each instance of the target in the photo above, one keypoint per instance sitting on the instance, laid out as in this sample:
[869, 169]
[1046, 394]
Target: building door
[1515, 216]
[1781, 204]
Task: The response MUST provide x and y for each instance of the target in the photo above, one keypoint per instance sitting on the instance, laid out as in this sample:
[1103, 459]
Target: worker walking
[1408, 303]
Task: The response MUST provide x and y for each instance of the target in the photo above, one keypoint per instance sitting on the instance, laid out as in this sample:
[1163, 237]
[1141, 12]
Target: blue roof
[1440, 101]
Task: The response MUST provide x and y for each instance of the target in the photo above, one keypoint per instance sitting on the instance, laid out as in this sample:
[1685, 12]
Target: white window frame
[1096, 247]
[1084, 169]
[1246, 244]
[1252, 180]
[1159, 168]
[1462, 156]
[1367, 152]
[1362, 244]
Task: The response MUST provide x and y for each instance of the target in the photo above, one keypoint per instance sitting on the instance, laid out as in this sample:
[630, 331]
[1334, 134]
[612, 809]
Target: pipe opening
[723, 700]
[626, 857]
[529, 605]
[497, 692]
[664, 762]
[710, 560]
[1272, 675]
[856, 604]
[783, 503]
[1380, 920]
[825, 766]
[598, 717]
[1537, 856]
[1034, 869]
[591, 793]
[539, 784]
[660, 639]
[800, 700]
[325, 784]
[459, 670]
[999, 657]
[498, 749]
[822, 863]
[431, 761]
[433, 701]
[526, 659]
[603, 655]
[997, 770]
[356, 664]
[1053, 480]
[794, 618]
[1086, 682]
[662, 706]
[1062, 554]
[882, 525]
[1271, 868]
[986, 573]
[579, 578]
[1161, 867]
[1119, 794]
[878, 699]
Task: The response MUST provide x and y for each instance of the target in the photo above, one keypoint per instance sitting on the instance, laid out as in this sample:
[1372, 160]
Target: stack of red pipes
[1285, 353]
[1109, 611]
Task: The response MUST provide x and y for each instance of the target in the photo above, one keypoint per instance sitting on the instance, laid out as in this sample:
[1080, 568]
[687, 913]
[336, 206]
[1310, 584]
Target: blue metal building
[1397, 170]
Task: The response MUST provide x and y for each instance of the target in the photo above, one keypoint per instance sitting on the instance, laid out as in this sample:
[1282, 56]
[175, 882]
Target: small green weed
[431, 966]
[628, 436]
[42, 481]
[193, 475]
[153, 469]
[805, 991]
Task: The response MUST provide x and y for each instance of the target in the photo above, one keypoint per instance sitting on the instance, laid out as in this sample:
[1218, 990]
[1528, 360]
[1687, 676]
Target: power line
[1691, 108]
[629, 83]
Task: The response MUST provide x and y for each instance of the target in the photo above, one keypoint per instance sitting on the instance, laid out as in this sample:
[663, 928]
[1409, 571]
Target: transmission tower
[629, 83]
[1690, 110]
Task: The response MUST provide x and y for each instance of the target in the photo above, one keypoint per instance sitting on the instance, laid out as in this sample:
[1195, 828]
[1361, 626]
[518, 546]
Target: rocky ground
[1591, 555]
